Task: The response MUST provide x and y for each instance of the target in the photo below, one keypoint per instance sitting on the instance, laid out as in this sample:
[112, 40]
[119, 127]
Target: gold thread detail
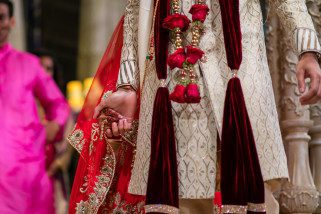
[234, 209]
[163, 83]
[161, 208]
[256, 207]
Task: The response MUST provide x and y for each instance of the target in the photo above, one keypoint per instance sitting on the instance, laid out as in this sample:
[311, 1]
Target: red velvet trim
[232, 32]
[161, 37]
[241, 177]
[162, 187]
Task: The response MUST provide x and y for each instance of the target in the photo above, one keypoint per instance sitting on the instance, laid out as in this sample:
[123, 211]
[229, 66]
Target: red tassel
[162, 186]
[178, 95]
[232, 32]
[192, 93]
[241, 177]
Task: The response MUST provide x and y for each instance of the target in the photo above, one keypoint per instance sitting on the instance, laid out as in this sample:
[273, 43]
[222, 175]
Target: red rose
[193, 54]
[178, 95]
[199, 12]
[192, 93]
[176, 59]
[176, 21]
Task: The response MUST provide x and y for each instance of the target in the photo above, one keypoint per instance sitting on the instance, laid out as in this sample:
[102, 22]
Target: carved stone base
[319, 207]
[298, 199]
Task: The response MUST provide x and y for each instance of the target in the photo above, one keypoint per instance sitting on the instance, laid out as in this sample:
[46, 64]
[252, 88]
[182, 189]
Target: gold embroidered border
[76, 139]
[256, 207]
[102, 185]
[234, 209]
[240, 209]
[122, 207]
[161, 208]
[104, 179]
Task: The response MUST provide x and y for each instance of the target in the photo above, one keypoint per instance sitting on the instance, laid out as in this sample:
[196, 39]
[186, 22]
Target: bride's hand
[121, 104]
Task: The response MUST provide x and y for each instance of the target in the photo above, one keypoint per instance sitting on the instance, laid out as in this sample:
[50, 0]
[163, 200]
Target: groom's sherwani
[197, 126]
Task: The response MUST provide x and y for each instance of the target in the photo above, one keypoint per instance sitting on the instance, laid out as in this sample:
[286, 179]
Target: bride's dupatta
[102, 176]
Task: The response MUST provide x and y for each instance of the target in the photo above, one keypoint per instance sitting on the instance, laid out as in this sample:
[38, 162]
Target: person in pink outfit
[25, 186]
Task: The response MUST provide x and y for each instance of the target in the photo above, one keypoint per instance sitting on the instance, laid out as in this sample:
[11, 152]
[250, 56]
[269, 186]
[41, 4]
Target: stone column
[299, 195]
[315, 148]
[272, 40]
[97, 22]
[18, 35]
[314, 7]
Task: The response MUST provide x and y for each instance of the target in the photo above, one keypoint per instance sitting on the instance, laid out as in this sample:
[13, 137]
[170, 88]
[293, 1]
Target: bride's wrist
[126, 88]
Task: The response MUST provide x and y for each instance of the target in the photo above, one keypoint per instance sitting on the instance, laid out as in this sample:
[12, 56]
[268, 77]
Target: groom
[198, 126]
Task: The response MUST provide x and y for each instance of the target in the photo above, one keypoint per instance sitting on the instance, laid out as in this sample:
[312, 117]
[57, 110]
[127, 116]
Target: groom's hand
[308, 67]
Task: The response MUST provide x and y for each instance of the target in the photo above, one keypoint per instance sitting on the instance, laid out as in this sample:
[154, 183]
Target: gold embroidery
[94, 131]
[161, 208]
[103, 180]
[84, 187]
[123, 208]
[94, 136]
[76, 139]
[256, 207]
[234, 209]
[240, 209]
[82, 207]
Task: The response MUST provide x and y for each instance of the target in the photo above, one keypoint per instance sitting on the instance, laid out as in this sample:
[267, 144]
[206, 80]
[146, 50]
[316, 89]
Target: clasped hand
[120, 108]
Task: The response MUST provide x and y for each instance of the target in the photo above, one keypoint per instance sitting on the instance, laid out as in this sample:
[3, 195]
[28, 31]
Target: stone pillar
[314, 7]
[97, 22]
[315, 148]
[18, 35]
[299, 195]
[272, 40]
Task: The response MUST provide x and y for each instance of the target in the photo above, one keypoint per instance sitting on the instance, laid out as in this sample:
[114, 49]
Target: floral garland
[184, 58]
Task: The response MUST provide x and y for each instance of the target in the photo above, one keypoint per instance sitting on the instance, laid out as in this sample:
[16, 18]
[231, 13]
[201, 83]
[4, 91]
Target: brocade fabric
[196, 125]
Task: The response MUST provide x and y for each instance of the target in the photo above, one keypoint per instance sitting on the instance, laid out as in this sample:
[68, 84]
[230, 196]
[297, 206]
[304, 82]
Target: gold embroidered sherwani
[197, 126]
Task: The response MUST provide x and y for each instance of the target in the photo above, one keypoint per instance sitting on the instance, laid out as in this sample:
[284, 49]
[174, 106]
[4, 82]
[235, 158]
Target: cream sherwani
[197, 125]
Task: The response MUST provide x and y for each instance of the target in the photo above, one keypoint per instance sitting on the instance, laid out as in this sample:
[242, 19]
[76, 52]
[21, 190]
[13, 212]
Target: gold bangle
[106, 95]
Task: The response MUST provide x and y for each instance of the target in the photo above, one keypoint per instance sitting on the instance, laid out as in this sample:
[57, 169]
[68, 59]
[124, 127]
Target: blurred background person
[58, 154]
[25, 186]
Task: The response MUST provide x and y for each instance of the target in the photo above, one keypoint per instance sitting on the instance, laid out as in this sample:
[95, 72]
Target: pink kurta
[24, 184]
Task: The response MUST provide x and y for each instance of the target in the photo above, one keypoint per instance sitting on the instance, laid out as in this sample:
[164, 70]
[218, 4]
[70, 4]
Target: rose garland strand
[184, 58]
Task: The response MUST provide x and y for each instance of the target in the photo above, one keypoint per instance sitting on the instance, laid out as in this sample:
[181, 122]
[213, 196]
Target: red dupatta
[102, 176]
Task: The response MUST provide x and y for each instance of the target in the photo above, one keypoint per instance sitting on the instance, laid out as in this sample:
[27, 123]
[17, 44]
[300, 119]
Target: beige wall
[18, 35]
[97, 22]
